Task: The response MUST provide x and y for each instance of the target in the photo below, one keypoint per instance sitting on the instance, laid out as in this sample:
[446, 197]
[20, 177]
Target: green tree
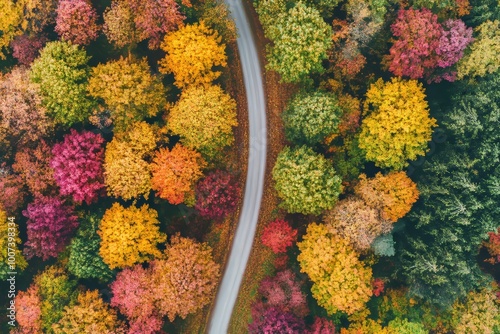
[62, 72]
[459, 196]
[305, 181]
[84, 259]
[128, 90]
[311, 117]
[300, 40]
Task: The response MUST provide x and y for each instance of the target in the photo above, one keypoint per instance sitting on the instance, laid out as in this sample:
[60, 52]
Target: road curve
[245, 232]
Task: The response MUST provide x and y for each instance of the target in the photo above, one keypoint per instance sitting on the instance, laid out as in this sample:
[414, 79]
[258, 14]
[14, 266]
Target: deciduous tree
[493, 246]
[11, 257]
[76, 21]
[279, 235]
[310, 117]
[274, 320]
[28, 311]
[89, 315]
[33, 166]
[398, 126]
[340, 280]
[22, 115]
[175, 173]
[392, 194]
[119, 26]
[26, 48]
[198, 107]
[217, 195]
[62, 72]
[50, 226]
[129, 235]
[12, 194]
[300, 41]
[356, 223]
[479, 314]
[192, 53]
[128, 89]
[77, 164]
[322, 326]
[305, 181]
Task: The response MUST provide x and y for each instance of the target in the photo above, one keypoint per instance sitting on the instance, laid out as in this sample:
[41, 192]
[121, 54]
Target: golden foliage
[175, 173]
[129, 235]
[89, 315]
[341, 281]
[480, 314]
[192, 52]
[393, 194]
[9, 240]
[398, 126]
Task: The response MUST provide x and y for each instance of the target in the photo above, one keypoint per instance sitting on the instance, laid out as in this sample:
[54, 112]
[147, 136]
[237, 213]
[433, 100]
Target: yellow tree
[11, 258]
[11, 18]
[126, 173]
[204, 118]
[175, 173]
[89, 315]
[129, 235]
[480, 314]
[397, 126]
[393, 194]
[341, 282]
[192, 52]
[128, 89]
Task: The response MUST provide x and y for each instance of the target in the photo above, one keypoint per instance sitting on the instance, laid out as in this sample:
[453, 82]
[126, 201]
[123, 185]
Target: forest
[124, 148]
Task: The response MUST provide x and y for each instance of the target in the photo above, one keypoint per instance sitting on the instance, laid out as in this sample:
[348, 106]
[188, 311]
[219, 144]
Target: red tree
[11, 191]
[217, 195]
[279, 235]
[322, 326]
[378, 286]
[50, 225]
[493, 246]
[273, 320]
[33, 165]
[284, 291]
[154, 18]
[26, 48]
[78, 166]
[77, 21]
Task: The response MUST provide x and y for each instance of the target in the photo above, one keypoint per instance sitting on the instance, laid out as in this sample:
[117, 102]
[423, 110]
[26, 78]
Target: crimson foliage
[50, 225]
[217, 195]
[279, 235]
[273, 320]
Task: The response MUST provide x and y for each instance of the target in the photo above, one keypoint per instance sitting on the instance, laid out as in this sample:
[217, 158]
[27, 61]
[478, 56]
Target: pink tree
[26, 48]
[133, 296]
[33, 165]
[273, 320]
[77, 21]
[11, 191]
[423, 45]
[29, 313]
[217, 195]
[284, 291]
[414, 51]
[279, 235]
[154, 18]
[322, 326]
[50, 225]
[78, 166]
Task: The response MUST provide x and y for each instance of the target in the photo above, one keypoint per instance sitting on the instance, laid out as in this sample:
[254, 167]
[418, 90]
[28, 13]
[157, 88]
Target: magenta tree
[76, 21]
[78, 166]
[217, 195]
[50, 225]
[26, 48]
[322, 326]
[274, 320]
[423, 45]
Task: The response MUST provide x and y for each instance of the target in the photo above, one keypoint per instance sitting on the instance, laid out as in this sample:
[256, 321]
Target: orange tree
[192, 52]
[204, 118]
[341, 282]
[397, 126]
[175, 173]
[129, 235]
[393, 194]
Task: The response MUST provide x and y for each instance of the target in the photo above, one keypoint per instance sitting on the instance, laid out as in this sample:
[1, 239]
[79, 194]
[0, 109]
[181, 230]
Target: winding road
[245, 232]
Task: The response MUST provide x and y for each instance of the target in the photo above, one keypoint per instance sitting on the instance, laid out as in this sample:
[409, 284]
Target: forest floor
[261, 261]
[221, 235]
